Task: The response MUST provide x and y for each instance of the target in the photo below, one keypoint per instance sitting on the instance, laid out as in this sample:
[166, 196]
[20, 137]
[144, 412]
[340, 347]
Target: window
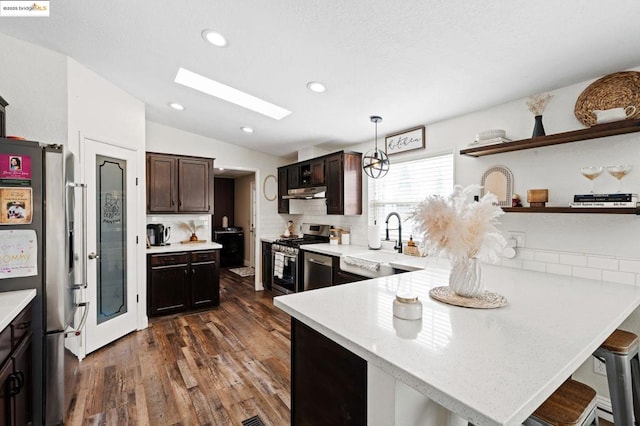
[404, 187]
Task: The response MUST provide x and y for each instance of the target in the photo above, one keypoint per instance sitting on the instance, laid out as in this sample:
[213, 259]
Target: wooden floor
[217, 367]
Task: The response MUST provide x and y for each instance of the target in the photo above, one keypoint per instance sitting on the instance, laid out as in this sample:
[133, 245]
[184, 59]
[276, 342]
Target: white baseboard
[604, 408]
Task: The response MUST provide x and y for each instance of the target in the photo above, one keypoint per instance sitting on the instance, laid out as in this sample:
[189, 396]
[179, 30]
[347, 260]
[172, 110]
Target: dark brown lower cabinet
[205, 270]
[328, 382]
[16, 375]
[181, 281]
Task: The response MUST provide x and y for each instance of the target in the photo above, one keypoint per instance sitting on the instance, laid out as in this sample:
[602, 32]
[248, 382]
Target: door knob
[93, 255]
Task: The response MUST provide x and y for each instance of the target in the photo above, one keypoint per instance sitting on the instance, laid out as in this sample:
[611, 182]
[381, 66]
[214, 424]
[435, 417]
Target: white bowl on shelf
[491, 134]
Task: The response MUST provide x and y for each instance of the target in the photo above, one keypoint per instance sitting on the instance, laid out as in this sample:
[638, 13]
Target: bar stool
[572, 404]
[620, 355]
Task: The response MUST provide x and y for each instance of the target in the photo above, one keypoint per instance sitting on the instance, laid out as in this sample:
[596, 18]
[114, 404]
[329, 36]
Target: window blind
[404, 186]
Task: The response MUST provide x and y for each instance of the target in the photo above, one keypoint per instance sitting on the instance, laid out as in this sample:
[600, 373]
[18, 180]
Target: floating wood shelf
[597, 210]
[597, 131]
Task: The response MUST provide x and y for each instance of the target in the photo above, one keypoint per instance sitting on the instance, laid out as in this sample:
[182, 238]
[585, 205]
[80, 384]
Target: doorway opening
[234, 220]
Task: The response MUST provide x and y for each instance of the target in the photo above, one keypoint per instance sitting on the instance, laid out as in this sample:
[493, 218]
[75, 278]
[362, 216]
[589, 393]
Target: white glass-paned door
[109, 172]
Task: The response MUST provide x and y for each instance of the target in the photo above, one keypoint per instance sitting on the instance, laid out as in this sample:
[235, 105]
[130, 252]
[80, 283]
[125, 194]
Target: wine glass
[619, 172]
[591, 172]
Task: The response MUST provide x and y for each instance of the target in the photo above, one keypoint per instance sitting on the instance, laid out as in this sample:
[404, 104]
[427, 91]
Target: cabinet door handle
[23, 325]
[14, 384]
[193, 271]
[186, 272]
[172, 202]
[20, 377]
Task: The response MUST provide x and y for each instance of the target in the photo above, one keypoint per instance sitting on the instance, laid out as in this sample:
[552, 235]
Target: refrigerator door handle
[83, 255]
[83, 320]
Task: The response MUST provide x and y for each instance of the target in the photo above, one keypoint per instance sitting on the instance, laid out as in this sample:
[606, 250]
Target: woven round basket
[617, 90]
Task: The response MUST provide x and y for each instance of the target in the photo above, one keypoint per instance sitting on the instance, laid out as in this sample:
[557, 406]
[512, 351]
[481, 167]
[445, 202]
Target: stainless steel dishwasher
[318, 270]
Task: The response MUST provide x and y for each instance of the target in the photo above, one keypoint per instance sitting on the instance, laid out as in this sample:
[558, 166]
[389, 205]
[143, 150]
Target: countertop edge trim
[25, 297]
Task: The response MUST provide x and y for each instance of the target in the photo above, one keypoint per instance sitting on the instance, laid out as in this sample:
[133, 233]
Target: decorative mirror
[270, 188]
[499, 181]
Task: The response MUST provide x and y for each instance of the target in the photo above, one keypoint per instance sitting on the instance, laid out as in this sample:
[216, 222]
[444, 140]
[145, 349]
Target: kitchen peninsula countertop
[12, 303]
[491, 367]
[174, 247]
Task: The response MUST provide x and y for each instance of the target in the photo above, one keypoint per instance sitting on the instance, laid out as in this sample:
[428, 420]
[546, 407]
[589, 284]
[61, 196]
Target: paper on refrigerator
[18, 253]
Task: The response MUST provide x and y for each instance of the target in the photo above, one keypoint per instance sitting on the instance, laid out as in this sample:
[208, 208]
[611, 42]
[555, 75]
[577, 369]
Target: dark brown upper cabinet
[283, 185]
[340, 172]
[179, 184]
[344, 183]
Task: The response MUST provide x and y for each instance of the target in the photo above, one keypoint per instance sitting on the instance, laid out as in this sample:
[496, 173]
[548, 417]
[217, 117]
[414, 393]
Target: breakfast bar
[486, 366]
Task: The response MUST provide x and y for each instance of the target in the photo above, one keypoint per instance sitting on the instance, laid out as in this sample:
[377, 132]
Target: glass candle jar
[407, 306]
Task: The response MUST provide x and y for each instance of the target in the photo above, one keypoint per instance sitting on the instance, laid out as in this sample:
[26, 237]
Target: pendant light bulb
[375, 163]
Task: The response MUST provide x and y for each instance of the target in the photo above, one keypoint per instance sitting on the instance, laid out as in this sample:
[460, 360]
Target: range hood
[306, 193]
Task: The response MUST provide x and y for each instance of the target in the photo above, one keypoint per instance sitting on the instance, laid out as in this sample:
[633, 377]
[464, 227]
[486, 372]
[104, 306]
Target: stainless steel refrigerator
[37, 193]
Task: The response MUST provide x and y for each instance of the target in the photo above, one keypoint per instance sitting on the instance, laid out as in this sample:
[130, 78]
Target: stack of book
[605, 200]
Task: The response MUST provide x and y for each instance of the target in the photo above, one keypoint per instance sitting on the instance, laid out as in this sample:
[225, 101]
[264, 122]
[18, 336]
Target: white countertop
[492, 367]
[405, 262]
[12, 303]
[173, 247]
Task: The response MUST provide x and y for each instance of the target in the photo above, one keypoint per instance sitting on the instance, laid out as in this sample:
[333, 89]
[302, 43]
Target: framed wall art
[407, 140]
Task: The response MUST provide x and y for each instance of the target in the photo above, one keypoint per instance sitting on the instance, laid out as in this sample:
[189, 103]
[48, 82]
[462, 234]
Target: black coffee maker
[158, 234]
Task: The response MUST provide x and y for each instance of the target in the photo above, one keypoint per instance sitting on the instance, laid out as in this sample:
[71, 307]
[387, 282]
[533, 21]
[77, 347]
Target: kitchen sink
[374, 264]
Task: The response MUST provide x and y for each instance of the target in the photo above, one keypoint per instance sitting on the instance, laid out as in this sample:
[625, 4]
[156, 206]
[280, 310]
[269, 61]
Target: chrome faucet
[398, 245]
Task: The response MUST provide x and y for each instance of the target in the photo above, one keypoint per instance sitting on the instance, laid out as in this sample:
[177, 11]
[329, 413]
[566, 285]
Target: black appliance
[286, 259]
[158, 234]
[232, 241]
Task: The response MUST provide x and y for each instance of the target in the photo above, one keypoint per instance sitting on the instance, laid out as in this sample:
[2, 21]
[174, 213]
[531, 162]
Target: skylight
[229, 94]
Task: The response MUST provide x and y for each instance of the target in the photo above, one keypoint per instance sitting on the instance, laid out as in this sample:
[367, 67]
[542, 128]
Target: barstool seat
[620, 355]
[572, 404]
[620, 342]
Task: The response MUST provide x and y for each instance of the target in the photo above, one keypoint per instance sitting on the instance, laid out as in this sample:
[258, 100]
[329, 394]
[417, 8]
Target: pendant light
[375, 163]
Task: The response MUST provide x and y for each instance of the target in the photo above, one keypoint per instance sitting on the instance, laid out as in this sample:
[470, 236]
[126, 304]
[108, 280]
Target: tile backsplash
[179, 232]
[606, 268]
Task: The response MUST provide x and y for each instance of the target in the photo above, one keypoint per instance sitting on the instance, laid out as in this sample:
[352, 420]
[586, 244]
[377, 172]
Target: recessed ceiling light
[214, 38]
[176, 105]
[229, 94]
[316, 86]
[246, 129]
[221, 168]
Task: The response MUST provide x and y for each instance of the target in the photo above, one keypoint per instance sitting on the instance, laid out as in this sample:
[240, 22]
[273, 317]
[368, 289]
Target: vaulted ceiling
[411, 61]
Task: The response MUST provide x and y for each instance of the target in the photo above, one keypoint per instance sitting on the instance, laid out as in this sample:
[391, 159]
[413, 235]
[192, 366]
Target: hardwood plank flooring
[215, 367]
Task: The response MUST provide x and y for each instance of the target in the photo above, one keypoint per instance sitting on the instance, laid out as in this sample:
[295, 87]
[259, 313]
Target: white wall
[33, 81]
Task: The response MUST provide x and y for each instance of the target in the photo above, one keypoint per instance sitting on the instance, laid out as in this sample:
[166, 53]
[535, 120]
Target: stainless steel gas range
[286, 260]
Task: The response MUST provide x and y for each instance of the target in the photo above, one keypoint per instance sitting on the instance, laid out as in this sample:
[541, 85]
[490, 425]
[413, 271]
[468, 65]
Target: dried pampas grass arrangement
[538, 103]
[459, 228]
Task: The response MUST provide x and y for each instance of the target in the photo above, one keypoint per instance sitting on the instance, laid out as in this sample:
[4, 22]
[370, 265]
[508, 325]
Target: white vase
[466, 277]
